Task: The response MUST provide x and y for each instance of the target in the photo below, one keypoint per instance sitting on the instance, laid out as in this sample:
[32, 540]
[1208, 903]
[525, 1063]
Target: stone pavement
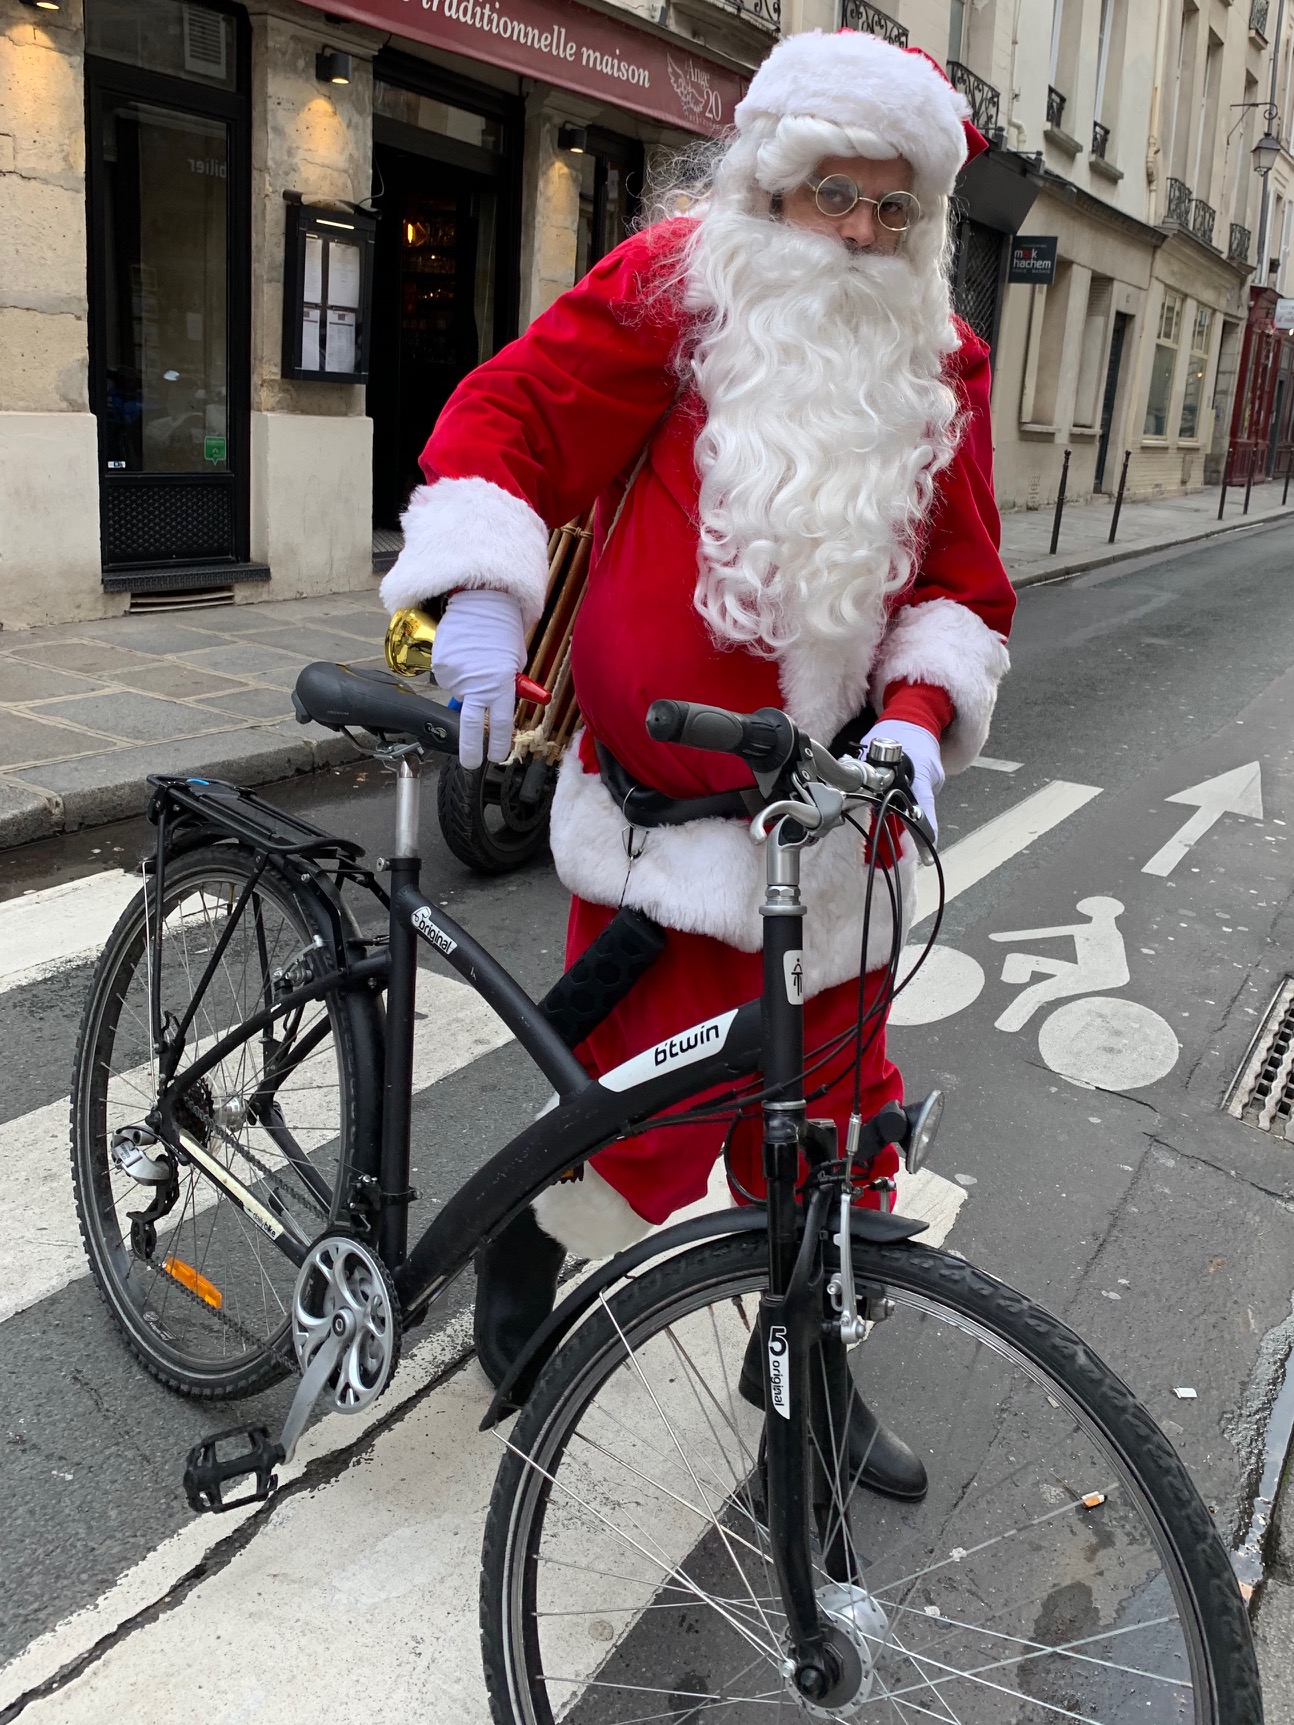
[88, 710]
[1085, 529]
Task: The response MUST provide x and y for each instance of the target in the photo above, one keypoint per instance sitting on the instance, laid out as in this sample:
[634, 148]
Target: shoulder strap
[638, 466]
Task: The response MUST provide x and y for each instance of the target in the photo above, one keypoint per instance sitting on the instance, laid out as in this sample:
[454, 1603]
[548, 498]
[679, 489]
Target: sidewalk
[88, 710]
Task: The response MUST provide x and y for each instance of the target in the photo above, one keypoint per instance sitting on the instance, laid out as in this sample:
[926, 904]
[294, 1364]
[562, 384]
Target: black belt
[644, 806]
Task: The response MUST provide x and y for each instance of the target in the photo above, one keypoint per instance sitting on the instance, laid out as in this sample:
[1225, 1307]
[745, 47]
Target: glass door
[168, 317]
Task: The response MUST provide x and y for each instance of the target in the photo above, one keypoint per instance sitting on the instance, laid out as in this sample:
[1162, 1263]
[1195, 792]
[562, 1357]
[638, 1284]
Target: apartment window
[1201, 336]
[1163, 366]
[957, 30]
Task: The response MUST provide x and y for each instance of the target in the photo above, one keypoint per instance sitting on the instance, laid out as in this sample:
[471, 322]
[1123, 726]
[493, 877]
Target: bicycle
[678, 1525]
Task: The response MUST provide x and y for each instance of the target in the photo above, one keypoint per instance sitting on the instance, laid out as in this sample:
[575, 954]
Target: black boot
[878, 1458]
[516, 1283]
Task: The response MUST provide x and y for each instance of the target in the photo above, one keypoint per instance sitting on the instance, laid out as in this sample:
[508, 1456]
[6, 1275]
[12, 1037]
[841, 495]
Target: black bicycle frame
[765, 1035]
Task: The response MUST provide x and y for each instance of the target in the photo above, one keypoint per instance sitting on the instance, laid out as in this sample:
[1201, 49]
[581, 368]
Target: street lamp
[1267, 149]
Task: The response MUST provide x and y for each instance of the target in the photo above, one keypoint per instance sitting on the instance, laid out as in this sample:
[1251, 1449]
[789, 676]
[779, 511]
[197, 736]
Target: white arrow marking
[1239, 792]
[997, 841]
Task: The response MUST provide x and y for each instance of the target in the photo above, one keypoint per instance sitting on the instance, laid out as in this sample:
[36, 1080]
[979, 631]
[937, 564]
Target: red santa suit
[558, 419]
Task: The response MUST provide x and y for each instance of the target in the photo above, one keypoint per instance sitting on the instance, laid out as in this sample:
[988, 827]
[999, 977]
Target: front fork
[791, 1312]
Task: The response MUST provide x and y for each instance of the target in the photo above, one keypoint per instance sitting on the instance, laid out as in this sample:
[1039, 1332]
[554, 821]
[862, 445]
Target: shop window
[1163, 366]
[977, 276]
[610, 171]
[168, 282]
[412, 108]
[1201, 338]
[165, 300]
[178, 39]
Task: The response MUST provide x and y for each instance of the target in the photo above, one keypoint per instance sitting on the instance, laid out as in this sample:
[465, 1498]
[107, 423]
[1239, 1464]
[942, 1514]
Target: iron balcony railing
[1100, 139]
[983, 98]
[1258, 18]
[767, 13]
[1055, 106]
[1238, 244]
[1179, 203]
[1203, 217]
[858, 15]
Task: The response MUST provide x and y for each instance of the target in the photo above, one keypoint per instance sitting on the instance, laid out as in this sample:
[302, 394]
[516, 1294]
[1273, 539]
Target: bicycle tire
[482, 822]
[1052, 1360]
[233, 1347]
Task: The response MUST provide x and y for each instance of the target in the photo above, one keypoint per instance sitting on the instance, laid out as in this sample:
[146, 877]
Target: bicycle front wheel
[1061, 1565]
[201, 1294]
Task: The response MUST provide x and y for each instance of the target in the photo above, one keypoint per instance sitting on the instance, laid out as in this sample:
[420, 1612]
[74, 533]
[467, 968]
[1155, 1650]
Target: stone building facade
[463, 162]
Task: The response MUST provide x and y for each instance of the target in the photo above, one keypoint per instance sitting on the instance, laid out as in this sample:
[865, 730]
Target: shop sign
[1283, 316]
[563, 43]
[213, 449]
[1033, 259]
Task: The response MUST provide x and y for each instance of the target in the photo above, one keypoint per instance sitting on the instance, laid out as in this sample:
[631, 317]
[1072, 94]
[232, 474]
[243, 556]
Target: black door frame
[114, 78]
[408, 72]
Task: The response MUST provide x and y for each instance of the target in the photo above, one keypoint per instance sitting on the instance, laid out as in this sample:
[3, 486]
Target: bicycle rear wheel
[1061, 1565]
[201, 1294]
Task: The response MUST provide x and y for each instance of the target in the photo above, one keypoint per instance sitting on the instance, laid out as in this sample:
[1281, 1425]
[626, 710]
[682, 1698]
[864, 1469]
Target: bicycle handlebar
[766, 740]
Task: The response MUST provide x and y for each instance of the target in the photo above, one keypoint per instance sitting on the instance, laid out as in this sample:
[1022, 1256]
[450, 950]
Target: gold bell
[409, 636]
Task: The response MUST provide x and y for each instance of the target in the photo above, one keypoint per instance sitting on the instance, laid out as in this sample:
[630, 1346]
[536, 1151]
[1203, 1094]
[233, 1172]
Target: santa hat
[898, 95]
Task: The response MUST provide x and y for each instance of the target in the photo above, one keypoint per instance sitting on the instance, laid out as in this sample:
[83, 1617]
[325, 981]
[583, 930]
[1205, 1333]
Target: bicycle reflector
[924, 1118]
[194, 1281]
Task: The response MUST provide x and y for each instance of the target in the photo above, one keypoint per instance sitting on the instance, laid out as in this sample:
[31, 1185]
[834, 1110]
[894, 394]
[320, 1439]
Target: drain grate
[1263, 1092]
[180, 599]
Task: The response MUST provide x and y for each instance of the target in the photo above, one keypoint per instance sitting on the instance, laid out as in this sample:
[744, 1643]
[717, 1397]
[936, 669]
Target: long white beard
[827, 424]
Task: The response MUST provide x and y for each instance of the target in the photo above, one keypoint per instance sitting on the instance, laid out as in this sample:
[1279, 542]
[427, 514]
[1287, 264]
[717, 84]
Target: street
[1121, 918]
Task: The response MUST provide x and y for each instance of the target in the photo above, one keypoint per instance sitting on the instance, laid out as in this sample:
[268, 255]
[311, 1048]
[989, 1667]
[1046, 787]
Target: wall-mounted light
[332, 67]
[1267, 150]
[44, 5]
[573, 138]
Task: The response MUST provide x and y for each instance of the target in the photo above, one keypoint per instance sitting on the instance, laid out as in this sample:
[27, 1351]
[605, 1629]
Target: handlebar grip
[766, 740]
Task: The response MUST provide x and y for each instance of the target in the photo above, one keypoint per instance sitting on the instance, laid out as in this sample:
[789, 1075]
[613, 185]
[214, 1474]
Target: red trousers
[697, 977]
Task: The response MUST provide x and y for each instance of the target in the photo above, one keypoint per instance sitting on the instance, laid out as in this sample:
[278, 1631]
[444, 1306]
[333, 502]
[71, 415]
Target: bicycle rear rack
[245, 816]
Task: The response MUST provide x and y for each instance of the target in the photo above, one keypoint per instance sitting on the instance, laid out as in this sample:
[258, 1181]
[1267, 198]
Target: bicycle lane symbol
[1096, 1039]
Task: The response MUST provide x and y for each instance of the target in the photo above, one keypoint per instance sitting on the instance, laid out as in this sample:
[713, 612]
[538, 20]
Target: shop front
[163, 441]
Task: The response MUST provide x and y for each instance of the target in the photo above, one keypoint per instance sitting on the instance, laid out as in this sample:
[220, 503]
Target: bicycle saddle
[338, 696]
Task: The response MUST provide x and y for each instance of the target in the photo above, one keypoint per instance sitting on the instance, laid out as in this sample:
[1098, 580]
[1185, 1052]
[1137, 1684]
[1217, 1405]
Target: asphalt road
[1158, 1225]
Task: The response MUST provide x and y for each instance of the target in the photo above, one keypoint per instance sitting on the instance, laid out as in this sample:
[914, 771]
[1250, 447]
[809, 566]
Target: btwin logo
[678, 1046]
[779, 1383]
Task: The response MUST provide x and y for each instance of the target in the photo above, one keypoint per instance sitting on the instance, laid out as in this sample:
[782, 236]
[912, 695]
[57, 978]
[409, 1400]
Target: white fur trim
[824, 684]
[945, 643]
[707, 877]
[864, 83]
[588, 1216]
[469, 533]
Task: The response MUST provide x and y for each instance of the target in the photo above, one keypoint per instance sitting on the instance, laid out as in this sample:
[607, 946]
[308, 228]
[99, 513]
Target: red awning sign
[564, 43]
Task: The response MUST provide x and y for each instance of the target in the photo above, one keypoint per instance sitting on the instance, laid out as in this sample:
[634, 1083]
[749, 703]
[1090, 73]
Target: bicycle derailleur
[346, 1337]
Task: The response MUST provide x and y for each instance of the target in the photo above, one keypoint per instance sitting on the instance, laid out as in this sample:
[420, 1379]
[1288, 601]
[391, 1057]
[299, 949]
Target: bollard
[1249, 483]
[1118, 500]
[1289, 463]
[1222, 501]
[1060, 505]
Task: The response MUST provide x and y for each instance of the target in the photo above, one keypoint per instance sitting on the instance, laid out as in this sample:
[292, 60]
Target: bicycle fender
[513, 1393]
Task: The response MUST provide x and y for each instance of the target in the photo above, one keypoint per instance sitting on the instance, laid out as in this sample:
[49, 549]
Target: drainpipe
[1265, 203]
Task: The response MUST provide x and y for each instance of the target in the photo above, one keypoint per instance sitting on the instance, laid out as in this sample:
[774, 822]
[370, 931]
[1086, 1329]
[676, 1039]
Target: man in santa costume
[812, 527]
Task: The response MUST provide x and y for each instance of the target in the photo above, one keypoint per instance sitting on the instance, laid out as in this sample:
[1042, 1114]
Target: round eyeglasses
[836, 195]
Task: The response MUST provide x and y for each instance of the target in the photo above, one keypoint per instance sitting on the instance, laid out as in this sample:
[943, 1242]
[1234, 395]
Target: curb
[1121, 554]
[118, 791]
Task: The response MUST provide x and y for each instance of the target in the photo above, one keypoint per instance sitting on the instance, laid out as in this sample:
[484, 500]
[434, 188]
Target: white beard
[827, 422]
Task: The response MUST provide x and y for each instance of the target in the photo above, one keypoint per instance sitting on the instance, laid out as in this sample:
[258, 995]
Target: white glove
[479, 648]
[922, 749]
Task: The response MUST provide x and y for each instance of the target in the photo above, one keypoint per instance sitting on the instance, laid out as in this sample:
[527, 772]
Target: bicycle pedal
[207, 1472]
